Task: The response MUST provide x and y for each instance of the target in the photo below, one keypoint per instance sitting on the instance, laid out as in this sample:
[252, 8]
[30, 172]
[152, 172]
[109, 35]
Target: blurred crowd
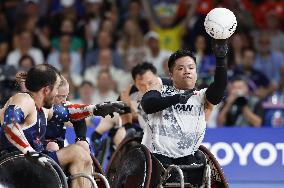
[96, 43]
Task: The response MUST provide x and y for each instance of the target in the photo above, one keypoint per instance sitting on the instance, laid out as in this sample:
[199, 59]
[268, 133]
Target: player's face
[49, 98]
[144, 81]
[184, 74]
[61, 97]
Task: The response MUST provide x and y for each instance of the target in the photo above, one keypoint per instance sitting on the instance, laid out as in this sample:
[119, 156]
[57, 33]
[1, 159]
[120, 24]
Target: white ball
[220, 23]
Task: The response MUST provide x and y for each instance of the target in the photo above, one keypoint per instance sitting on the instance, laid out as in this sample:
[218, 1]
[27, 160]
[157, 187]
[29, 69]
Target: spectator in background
[274, 30]
[32, 16]
[65, 47]
[242, 12]
[108, 26]
[25, 47]
[235, 54]
[67, 27]
[195, 25]
[258, 83]
[86, 93]
[73, 79]
[134, 12]
[154, 54]
[90, 23]
[4, 47]
[240, 108]
[104, 41]
[164, 22]
[104, 90]
[39, 35]
[25, 63]
[131, 45]
[5, 37]
[268, 61]
[105, 62]
[205, 63]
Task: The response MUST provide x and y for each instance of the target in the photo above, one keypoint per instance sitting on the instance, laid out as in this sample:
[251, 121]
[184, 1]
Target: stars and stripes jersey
[56, 129]
[63, 113]
[178, 130]
[34, 133]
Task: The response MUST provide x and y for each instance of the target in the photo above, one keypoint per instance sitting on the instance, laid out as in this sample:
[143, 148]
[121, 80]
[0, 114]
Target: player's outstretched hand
[185, 96]
[108, 108]
[220, 47]
[36, 157]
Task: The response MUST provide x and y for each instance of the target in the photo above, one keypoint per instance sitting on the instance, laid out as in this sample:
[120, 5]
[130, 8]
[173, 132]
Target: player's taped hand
[36, 157]
[220, 47]
[108, 108]
[185, 96]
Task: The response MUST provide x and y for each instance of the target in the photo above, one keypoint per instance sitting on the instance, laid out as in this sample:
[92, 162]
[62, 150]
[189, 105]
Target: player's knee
[81, 155]
[84, 145]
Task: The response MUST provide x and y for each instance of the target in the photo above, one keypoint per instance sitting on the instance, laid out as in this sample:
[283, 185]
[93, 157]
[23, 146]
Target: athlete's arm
[152, 101]
[75, 112]
[215, 92]
[15, 113]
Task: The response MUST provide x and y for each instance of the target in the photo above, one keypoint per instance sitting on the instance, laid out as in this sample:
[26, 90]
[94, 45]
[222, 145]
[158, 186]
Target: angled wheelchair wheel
[130, 165]
[218, 179]
[16, 171]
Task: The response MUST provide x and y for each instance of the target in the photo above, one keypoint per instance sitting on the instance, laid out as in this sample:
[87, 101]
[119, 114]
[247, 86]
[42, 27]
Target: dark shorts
[53, 155]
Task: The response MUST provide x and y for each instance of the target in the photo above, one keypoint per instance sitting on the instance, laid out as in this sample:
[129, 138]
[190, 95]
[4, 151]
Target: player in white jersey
[176, 114]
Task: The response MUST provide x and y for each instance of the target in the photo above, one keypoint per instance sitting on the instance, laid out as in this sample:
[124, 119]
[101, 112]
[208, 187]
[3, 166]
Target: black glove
[36, 157]
[185, 96]
[241, 102]
[220, 47]
[108, 108]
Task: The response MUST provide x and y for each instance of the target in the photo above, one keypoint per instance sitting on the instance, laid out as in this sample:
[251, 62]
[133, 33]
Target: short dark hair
[40, 76]
[178, 54]
[140, 69]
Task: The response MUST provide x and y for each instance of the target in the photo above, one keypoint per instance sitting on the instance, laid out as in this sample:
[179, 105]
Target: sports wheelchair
[16, 171]
[132, 165]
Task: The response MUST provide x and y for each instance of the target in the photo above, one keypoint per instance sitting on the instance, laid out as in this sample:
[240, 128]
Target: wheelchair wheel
[130, 166]
[16, 171]
[218, 178]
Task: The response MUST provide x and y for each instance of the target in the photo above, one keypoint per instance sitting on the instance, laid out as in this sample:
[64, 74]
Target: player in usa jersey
[177, 114]
[24, 117]
[55, 132]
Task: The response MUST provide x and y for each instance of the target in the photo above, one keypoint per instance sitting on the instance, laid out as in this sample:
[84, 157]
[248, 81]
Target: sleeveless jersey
[178, 130]
[34, 133]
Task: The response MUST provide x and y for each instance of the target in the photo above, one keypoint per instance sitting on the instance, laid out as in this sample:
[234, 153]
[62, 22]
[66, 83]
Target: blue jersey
[55, 126]
[55, 131]
[34, 133]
